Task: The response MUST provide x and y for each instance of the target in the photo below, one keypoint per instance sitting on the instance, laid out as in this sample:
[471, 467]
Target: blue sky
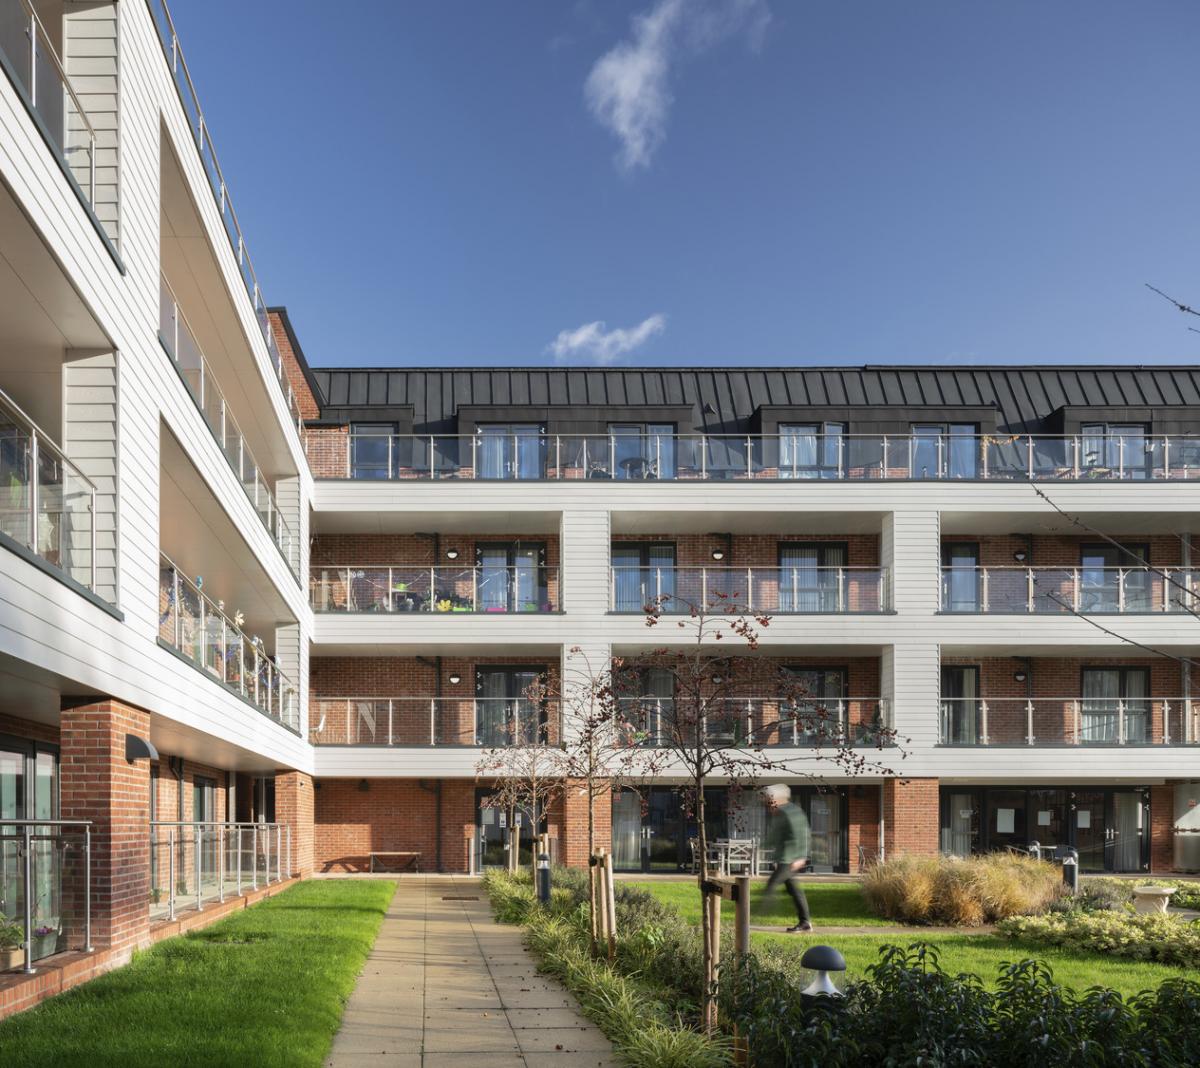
[745, 182]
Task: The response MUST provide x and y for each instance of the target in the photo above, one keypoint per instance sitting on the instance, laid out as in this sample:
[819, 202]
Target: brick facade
[294, 806]
[309, 407]
[97, 783]
[1162, 827]
[863, 820]
[910, 817]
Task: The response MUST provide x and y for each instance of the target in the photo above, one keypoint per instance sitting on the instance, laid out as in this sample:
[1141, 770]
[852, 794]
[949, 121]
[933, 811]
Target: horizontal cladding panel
[51, 627]
[1055, 764]
[393, 763]
[879, 496]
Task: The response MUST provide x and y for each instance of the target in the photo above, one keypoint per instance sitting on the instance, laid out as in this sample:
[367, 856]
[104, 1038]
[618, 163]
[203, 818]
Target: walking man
[787, 838]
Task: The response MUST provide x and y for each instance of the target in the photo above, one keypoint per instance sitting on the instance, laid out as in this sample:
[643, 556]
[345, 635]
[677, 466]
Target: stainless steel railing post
[199, 839]
[254, 856]
[239, 859]
[171, 874]
[27, 894]
[221, 865]
[87, 889]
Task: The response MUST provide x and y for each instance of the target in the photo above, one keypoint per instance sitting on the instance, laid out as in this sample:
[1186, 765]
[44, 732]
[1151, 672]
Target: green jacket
[787, 837]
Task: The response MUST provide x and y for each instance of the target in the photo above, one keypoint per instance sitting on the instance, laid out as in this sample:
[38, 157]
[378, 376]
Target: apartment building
[259, 618]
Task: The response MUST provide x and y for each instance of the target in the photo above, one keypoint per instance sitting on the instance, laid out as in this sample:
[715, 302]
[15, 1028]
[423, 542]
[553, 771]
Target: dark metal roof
[1024, 397]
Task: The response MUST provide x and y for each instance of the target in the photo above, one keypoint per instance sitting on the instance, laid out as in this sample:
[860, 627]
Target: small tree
[527, 772]
[598, 752]
[728, 705]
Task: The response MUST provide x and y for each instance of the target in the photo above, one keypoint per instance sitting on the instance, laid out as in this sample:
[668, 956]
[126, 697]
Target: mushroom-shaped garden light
[823, 960]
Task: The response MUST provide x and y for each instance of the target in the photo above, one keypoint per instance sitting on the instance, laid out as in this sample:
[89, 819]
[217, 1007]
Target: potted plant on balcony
[11, 954]
[45, 941]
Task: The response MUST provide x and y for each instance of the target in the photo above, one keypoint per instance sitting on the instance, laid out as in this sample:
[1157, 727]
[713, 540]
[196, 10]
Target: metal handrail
[287, 689]
[26, 839]
[1178, 586]
[219, 867]
[994, 457]
[548, 723]
[1070, 711]
[421, 582]
[40, 440]
[173, 54]
[36, 28]
[287, 542]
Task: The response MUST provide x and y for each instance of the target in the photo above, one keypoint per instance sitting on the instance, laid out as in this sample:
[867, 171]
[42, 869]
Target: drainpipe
[436, 789]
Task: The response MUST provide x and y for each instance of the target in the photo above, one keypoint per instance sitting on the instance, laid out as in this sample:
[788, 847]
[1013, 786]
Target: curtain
[957, 837]
[627, 830]
[808, 577]
[491, 708]
[493, 580]
[960, 706]
[1101, 691]
[798, 450]
[1137, 706]
[628, 593]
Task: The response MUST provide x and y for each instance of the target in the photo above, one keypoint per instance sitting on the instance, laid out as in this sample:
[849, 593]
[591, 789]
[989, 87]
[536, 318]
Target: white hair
[777, 792]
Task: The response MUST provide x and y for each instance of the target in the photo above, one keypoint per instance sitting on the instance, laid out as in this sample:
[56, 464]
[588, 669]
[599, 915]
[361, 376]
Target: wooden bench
[411, 861]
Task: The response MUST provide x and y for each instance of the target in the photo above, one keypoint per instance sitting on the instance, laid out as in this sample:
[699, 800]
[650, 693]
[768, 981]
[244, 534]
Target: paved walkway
[444, 980]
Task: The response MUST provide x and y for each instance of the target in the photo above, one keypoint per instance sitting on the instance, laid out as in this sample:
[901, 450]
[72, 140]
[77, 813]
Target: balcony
[200, 632]
[45, 876]
[47, 506]
[180, 344]
[216, 181]
[773, 458]
[196, 863]
[489, 722]
[771, 590]
[763, 721]
[1070, 721]
[1069, 590]
[37, 73]
[489, 589]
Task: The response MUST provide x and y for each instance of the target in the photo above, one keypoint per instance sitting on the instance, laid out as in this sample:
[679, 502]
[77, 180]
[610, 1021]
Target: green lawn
[831, 904]
[263, 987]
[841, 905]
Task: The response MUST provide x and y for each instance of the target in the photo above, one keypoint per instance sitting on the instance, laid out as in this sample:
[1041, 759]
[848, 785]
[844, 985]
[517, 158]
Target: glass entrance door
[1090, 827]
[496, 828]
[664, 847]
[29, 790]
[1127, 831]
[960, 706]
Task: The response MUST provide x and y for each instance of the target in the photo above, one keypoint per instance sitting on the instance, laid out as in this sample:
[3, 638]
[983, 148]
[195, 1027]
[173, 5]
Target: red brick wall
[910, 817]
[327, 448]
[28, 728]
[863, 818]
[1062, 550]
[294, 804]
[1162, 827]
[573, 844]
[99, 784]
[392, 815]
[309, 409]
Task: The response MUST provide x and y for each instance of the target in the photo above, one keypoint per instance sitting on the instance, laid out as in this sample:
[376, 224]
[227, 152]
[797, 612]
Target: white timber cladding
[90, 58]
[44, 624]
[91, 435]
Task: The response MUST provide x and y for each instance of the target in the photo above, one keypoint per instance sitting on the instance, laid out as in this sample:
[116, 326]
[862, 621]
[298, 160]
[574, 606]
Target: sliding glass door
[1115, 700]
[505, 714]
[512, 577]
[510, 451]
[812, 577]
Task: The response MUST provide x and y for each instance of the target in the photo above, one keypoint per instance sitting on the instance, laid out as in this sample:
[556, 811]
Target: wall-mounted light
[718, 554]
[1020, 556]
[363, 786]
[1020, 676]
[455, 678]
[137, 748]
[451, 554]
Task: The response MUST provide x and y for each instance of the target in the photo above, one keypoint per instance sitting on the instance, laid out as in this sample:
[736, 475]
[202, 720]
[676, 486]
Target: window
[511, 450]
[505, 714]
[643, 450]
[1113, 449]
[648, 705]
[512, 578]
[1115, 706]
[944, 450]
[371, 450]
[811, 450]
[643, 573]
[812, 577]
[960, 577]
[816, 710]
[1113, 579]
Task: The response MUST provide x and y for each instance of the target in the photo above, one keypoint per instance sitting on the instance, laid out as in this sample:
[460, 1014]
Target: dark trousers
[783, 874]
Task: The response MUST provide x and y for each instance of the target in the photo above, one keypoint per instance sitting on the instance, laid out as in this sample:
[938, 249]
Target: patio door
[960, 706]
[510, 450]
[811, 577]
[29, 790]
[1102, 585]
[810, 450]
[1115, 700]
[504, 712]
[497, 828]
[960, 577]
[512, 577]
[643, 573]
[816, 713]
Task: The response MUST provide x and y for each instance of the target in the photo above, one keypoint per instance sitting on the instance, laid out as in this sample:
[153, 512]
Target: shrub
[1158, 937]
[962, 892]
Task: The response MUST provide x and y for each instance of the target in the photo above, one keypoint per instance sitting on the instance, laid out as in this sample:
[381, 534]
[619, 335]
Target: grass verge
[263, 987]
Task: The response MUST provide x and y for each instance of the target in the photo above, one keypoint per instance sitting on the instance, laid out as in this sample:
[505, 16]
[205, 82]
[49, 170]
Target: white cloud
[592, 342]
[627, 89]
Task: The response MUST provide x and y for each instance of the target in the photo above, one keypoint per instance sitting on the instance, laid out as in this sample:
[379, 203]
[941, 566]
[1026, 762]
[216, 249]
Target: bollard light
[543, 878]
[1071, 871]
[822, 960]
